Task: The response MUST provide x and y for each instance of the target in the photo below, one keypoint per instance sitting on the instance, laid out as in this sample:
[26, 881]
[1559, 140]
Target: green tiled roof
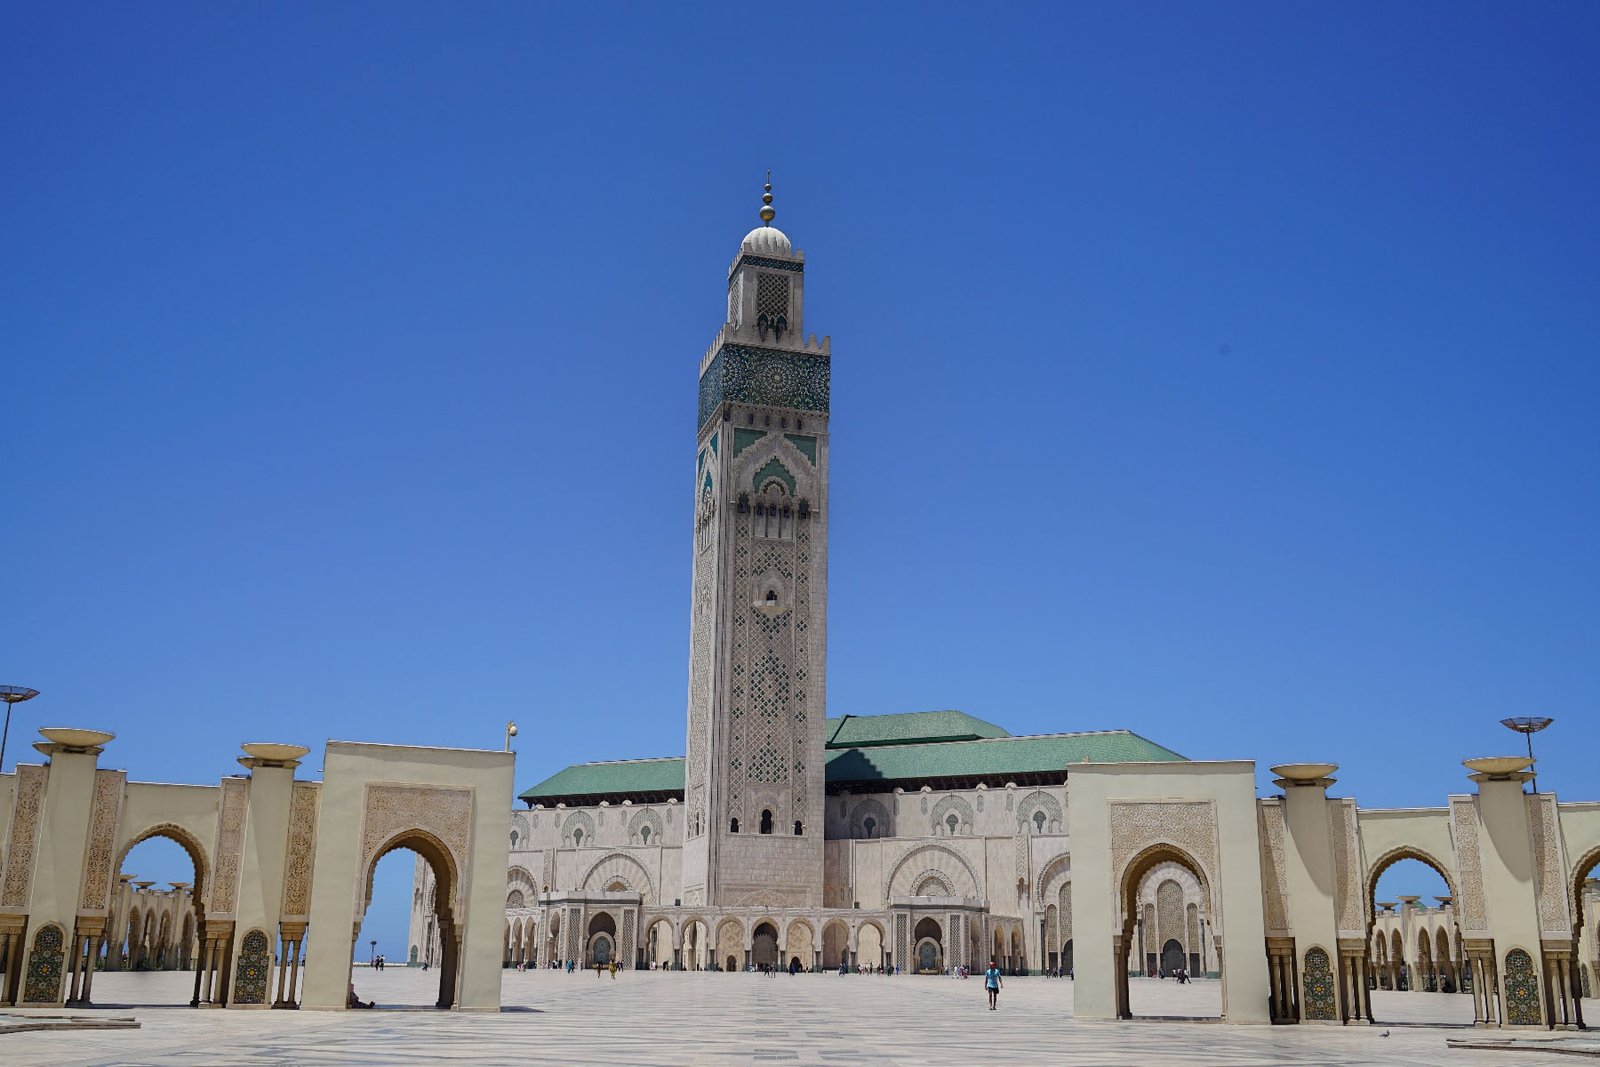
[613, 778]
[994, 757]
[860, 731]
[878, 759]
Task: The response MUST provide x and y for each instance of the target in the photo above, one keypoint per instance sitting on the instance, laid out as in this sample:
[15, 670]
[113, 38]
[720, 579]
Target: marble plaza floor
[654, 1018]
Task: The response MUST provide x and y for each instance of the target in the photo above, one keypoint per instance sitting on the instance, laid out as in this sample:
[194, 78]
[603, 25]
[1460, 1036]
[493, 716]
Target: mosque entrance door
[764, 947]
[1172, 960]
[602, 950]
[928, 957]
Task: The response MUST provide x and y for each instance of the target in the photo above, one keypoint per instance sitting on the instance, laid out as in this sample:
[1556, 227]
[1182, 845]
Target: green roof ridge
[884, 762]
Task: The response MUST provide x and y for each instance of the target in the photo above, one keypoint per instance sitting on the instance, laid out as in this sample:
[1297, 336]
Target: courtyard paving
[655, 1018]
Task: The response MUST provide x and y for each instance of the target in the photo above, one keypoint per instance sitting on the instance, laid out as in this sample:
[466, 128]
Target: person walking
[992, 982]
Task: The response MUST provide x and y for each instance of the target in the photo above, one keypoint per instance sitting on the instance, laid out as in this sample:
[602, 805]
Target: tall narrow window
[799, 828]
[733, 826]
[766, 822]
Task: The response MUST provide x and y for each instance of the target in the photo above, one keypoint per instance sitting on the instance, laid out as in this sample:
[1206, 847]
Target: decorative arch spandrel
[443, 814]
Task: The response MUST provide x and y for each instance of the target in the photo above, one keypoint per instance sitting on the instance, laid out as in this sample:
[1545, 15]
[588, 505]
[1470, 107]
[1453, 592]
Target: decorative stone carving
[1056, 866]
[1347, 887]
[578, 830]
[1169, 915]
[1274, 878]
[1555, 916]
[1320, 1001]
[1039, 802]
[646, 828]
[1189, 825]
[253, 970]
[230, 846]
[301, 850]
[948, 809]
[1471, 911]
[870, 819]
[444, 814]
[959, 873]
[104, 809]
[619, 867]
[26, 812]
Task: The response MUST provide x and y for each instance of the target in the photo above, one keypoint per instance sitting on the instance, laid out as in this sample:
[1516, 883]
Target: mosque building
[784, 837]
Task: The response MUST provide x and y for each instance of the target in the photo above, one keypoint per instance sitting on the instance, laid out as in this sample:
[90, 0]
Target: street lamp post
[511, 731]
[1528, 725]
[374, 961]
[12, 694]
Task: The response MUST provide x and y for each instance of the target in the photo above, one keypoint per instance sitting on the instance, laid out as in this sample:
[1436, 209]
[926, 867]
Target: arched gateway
[71, 823]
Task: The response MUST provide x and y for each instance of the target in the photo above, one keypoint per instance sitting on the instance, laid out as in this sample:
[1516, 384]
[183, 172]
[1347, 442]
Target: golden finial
[767, 212]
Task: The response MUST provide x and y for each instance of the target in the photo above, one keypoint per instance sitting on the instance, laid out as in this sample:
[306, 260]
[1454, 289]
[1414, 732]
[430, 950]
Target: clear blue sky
[1222, 372]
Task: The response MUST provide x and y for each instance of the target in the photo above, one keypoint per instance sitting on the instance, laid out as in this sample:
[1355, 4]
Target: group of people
[1181, 974]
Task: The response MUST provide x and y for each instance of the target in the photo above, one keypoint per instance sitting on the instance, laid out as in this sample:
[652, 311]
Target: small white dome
[767, 240]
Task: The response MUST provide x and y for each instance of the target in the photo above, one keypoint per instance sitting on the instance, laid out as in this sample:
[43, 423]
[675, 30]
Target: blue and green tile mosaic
[743, 439]
[766, 261]
[1521, 989]
[750, 375]
[806, 444]
[773, 469]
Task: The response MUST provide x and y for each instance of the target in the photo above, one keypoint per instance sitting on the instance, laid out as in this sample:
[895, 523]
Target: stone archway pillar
[449, 962]
[11, 955]
[1480, 957]
[449, 802]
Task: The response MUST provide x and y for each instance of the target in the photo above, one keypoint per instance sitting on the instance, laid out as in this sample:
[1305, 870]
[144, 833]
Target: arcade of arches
[1207, 879]
[275, 859]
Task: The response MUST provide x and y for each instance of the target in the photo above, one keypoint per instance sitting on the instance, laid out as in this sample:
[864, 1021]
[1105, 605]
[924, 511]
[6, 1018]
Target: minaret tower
[758, 636]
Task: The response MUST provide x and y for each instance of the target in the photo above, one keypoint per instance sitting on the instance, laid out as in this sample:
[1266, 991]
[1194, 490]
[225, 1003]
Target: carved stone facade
[25, 814]
[302, 845]
[393, 811]
[230, 844]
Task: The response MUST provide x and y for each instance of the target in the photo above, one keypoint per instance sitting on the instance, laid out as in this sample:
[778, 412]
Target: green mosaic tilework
[1522, 990]
[806, 444]
[768, 262]
[750, 375]
[255, 965]
[42, 983]
[1320, 1002]
[743, 439]
[773, 469]
[713, 444]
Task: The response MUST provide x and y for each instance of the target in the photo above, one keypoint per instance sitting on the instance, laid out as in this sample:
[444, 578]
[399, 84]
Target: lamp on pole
[12, 694]
[511, 731]
[1528, 725]
[374, 962]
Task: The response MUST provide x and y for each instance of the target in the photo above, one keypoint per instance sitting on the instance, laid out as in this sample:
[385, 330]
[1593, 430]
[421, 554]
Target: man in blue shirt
[991, 982]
